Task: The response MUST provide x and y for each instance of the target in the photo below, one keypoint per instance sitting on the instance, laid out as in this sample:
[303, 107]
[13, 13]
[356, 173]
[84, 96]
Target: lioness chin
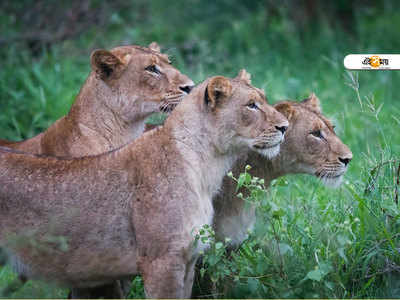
[136, 210]
[310, 147]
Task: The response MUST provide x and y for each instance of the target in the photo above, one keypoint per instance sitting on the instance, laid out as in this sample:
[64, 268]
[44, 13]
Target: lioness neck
[284, 163]
[270, 169]
[93, 114]
[196, 141]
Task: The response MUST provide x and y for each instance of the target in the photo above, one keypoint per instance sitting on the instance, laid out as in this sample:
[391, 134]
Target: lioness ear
[155, 47]
[244, 76]
[312, 102]
[106, 64]
[286, 109]
[218, 88]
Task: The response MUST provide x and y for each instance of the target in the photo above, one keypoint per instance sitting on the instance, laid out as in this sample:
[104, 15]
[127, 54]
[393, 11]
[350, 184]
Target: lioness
[88, 221]
[125, 86]
[310, 147]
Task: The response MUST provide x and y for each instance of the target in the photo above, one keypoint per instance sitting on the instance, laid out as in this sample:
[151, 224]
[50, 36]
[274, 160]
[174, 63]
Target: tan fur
[301, 152]
[114, 102]
[136, 209]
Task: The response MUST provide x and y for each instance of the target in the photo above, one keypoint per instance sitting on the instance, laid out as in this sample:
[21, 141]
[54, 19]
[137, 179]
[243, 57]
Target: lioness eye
[317, 133]
[153, 69]
[252, 105]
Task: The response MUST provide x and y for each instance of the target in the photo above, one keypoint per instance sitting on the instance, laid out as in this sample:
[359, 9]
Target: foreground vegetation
[309, 240]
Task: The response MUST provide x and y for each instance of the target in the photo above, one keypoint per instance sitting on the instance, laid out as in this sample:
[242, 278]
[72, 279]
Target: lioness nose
[281, 128]
[345, 160]
[186, 88]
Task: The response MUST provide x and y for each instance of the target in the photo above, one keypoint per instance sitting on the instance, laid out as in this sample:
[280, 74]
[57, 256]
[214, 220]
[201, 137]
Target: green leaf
[325, 268]
[315, 275]
[247, 178]
[342, 255]
[202, 272]
[285, 248]
[252, 284]
[342, 239]
[366, 286]
[282, 182]
[241, 180]
[218, 245]
[329, 285]
[277, 214]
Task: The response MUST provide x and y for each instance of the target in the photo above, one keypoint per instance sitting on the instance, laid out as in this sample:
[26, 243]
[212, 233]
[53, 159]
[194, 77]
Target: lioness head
[141, 79]
[241, 112]
[312, 143]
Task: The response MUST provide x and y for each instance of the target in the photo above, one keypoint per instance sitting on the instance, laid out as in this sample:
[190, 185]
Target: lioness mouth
[335, 176]
[260, 146]
[169, 104]
[322, 176]
[265, 146]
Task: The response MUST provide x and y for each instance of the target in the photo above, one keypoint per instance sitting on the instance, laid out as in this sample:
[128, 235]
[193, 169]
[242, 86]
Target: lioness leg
[189, 278]
[126, 286]
[165, 277]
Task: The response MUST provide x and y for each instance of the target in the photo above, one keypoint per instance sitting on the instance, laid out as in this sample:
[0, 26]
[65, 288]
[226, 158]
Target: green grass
[334, 243]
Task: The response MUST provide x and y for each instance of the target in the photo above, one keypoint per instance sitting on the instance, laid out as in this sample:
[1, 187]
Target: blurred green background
[339, 243]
